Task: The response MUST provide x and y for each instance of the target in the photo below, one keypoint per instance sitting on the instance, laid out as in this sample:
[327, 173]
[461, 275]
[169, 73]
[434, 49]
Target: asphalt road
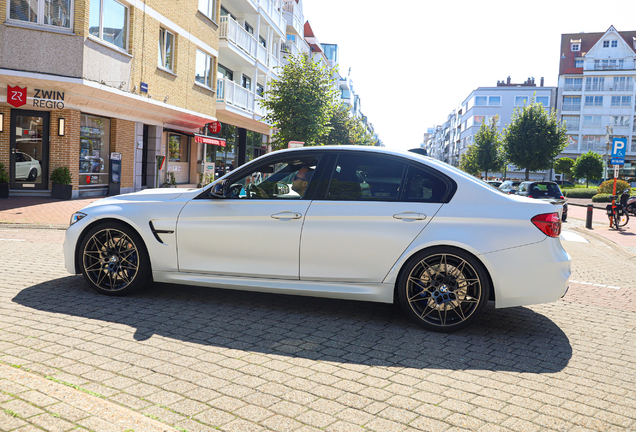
[194, 359]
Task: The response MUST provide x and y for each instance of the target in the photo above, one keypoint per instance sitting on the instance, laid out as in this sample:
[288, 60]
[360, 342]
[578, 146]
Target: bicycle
[616, 211]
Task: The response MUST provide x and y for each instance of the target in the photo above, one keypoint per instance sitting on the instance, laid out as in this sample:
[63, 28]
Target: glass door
[29, 147]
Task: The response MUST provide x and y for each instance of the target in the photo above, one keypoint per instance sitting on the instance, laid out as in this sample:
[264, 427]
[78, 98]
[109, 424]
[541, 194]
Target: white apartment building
[596, 91]
[453, 137]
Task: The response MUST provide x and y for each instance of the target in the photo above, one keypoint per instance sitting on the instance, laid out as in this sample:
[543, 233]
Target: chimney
[508, 80]
[541, 82]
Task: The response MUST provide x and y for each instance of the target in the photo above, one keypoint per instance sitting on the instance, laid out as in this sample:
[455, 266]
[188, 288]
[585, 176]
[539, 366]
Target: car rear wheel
[113, 259]
[443, 289]
[33, 174]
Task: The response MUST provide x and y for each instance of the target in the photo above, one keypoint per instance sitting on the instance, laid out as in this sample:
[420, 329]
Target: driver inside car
[301, 180]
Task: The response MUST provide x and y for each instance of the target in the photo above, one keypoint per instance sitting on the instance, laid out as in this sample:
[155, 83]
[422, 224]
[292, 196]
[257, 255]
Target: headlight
[76, 217]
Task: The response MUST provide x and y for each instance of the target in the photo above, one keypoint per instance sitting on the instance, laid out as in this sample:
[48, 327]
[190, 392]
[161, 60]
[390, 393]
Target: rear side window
[365, 178]
[423, 186]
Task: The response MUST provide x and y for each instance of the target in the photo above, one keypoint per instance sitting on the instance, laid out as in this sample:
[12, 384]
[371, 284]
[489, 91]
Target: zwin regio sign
[50, 99]
[619, 148]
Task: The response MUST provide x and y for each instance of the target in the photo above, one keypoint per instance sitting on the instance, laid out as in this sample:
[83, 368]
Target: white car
[368, 224]
[26, 168]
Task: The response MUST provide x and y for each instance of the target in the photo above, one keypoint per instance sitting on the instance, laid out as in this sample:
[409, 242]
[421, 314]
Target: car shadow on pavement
[374, 334]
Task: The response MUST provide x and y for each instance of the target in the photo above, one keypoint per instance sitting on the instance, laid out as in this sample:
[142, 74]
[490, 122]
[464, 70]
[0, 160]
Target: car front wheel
[113, 259]
[443, 289]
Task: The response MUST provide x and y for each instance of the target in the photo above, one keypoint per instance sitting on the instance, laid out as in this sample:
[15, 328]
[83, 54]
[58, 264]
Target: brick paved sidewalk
[41, 211]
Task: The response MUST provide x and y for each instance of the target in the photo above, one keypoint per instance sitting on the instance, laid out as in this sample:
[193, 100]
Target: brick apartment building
[83, 79]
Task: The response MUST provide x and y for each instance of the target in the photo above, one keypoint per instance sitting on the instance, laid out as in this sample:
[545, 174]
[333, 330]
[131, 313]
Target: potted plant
[4, 182]
[62, 187]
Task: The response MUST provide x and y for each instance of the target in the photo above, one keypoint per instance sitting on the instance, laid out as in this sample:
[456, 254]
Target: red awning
[204, 139]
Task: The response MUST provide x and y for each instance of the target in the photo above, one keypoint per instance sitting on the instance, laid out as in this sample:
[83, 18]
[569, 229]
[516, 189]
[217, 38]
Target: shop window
[177, 148]
[203, 71]
[94, 150]
[166, 49]
[108, 21]
[42, 12]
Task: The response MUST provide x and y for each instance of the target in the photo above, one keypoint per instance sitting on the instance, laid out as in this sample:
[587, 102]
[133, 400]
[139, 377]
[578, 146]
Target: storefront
[94, 156]
[28, 150]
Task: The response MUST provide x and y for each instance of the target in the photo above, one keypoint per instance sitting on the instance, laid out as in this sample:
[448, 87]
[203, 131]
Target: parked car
[545, 190]
[509, 186]
[26, 168]
[494, 183]
[368, 223]
[564, 183]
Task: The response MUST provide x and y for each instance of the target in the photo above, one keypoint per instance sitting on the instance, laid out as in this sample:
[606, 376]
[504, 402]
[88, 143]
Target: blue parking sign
[619, 147]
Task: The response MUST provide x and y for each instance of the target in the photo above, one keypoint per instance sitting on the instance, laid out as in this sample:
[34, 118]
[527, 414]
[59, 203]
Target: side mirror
[219, 189]
[282, 188]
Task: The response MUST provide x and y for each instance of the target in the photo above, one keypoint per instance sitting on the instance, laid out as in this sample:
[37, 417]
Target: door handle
[410, 216]
[287, 215]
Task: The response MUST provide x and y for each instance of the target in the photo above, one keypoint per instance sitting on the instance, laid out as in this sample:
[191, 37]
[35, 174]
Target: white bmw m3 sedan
[346, 222]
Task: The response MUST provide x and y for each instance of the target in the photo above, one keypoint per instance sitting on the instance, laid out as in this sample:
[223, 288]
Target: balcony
[294, 17]
[576, 88]
[289, 48]
[627, 88]
[571, 107]
[270, 8]
[572, 126]
[231, 93]
[233, 32]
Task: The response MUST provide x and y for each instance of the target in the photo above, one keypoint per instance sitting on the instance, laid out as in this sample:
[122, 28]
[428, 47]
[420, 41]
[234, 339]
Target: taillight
[530, 196]
[548, 223]
[562, 197]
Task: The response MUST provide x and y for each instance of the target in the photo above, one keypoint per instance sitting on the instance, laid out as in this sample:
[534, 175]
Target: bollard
[588, 219]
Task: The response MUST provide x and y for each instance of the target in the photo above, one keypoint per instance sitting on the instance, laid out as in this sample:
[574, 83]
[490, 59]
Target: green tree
[588, 166]
[533, 138]
[300, 102]
[488, 147]
[564, 166]
[468, 161]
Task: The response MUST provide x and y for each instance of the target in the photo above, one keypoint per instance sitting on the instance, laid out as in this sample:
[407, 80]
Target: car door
[373, 208]
[255, 230]
[21, 166]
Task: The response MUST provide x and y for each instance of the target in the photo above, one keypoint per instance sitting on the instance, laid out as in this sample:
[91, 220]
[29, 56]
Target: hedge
[602, 198]
[607, 187]
[580, 192]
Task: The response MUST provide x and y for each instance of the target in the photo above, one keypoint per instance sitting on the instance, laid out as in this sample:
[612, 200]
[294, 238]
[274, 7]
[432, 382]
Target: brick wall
[122, 140]
[4, 136]
[64, 150]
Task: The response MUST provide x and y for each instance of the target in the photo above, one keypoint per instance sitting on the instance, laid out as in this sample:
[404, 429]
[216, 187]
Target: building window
[591, 121]
[594, 83]
[494, 101]
[605, 44]
[576, 47]
[203, 69]
[108, 21]
[478, 120]
[260, 90]
[521, 100]
[622, 84]
[619, 121]
[543, 100]
[594, 142]
[246, 82]
[166, 49]
[578, 63]
[571, 104]
[208, 8]
[621, 101]
[248, 28]
[593, 101]
[177, 150]
[481, 100]
[262, 41]
[94, 157]
[614, 44]
[573, 84]
[42, 12]
[572, 123]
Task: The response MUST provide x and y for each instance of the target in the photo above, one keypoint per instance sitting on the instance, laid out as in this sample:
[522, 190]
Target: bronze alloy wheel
[444, 290]
[114, 260]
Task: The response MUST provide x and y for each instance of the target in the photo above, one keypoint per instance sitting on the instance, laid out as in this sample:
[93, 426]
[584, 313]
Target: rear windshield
[542, 189]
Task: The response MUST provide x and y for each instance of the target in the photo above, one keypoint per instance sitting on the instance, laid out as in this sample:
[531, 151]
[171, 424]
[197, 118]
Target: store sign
[16, 96]
[202, 139]
[48, 99]
[214, 127]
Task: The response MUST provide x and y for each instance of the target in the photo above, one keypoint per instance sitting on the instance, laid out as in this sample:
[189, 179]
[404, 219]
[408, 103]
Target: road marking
[1, 239]
[593, 284]
[572, 236]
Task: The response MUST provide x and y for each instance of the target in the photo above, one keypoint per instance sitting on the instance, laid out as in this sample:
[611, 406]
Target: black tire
[443, 289]
[623, 219]
[33, 174]
[113, 259]
[631, 209]
[564, 217]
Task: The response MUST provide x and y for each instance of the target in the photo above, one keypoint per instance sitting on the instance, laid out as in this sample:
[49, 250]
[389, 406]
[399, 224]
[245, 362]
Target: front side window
[203, 69]
[281, 179]
[44, 12]
[166, 49]
[365, 178]
[208, 8]
[108, 21]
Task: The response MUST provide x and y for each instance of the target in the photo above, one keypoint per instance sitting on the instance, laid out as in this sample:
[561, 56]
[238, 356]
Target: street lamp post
[609, 130]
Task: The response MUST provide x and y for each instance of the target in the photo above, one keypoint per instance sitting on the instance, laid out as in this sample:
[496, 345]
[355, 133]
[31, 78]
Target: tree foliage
[533, 138]
[488, 153]
[468, 161]
[564, 166]
[607, 187]
[588, 166]
[346, 129]
[301, 102]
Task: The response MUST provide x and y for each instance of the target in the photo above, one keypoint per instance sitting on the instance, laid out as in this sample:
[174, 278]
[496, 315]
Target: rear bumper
[532, 274]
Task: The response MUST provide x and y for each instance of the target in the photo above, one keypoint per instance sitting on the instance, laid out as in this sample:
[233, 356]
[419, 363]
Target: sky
[412, 65]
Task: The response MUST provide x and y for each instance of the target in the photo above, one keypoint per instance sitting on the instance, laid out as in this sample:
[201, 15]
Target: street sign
[295, 144]
[619, 148]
